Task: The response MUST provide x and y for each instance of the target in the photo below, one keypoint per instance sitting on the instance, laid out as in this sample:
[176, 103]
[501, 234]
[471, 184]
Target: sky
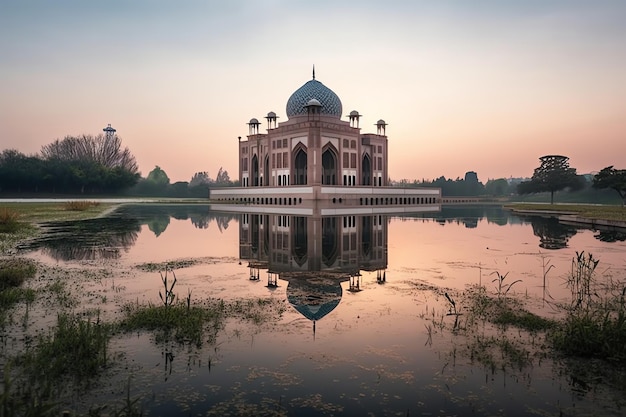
[483, 85]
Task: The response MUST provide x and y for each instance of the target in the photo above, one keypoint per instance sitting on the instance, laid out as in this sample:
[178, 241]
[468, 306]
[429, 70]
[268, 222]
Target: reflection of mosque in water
[314, 254]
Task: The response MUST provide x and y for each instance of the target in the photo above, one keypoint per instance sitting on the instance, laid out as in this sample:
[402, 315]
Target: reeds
[80, 205]
[595, 325]
[9, 220]
[75, 347]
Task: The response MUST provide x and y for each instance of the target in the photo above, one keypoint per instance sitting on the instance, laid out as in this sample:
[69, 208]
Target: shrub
[9, 220]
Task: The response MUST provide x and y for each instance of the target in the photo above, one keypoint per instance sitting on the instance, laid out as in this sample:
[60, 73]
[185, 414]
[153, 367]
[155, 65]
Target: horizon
[488, 87]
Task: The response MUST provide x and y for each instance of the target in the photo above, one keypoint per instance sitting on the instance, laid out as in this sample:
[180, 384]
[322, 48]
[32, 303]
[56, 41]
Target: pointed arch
[255, 171]
[329, 165]
[366, 170]
[266, 172]
[300, 164]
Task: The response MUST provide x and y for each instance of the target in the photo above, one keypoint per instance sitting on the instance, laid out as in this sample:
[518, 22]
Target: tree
[554, 174]
[222, 177]
[200, 178]
[104, 150]
[158, 177]
[498, 187]
[614, 179]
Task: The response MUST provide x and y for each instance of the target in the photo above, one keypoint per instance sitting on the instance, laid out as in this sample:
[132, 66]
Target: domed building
[314, 155]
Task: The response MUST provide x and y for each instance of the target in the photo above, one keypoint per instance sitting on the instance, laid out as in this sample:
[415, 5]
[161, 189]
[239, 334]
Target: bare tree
[104, 150]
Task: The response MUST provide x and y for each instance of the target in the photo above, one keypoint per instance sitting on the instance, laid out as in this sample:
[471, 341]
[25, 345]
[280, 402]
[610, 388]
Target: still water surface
[365, 329]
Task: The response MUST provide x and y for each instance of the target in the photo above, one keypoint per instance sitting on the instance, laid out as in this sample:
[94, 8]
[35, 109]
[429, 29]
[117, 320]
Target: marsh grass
[507, 313]
[595, 325]
[75, 347]
[178, 322]
[80, 205]
[14, 271]
[15, 402]
[9, 220]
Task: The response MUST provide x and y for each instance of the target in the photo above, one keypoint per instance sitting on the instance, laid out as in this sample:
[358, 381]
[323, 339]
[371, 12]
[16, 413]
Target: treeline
[469, 186]
[157, 184]
[74, 165]
[94, 165]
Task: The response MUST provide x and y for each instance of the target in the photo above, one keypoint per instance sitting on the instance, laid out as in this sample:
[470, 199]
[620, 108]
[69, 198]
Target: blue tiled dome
[331, 105]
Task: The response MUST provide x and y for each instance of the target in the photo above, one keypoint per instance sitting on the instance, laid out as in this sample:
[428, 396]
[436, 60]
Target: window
[352, 160]
[346, 143]
[284, 143]
[353, 144]
[285, 159]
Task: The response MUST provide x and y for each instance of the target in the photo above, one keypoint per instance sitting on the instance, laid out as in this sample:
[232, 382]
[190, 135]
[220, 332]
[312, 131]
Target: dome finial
[313, 71]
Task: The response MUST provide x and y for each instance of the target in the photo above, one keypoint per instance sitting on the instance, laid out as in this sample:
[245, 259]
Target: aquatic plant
[75, 347]
[595, 325]
[503, 289]
[169, 297]
[21, 402]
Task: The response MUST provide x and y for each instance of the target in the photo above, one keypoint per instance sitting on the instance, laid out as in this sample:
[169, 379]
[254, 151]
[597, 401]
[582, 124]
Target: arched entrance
[300, 167]
[366, 170]
[266, 171]
[255, 171]
[329, 167]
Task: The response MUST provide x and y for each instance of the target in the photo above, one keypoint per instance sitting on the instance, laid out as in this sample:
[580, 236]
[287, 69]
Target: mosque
[315, 157]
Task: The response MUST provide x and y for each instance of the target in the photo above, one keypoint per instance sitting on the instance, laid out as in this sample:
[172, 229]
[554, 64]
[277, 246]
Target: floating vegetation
[171, 265]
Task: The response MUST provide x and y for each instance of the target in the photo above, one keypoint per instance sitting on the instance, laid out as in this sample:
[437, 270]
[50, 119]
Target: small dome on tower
[314, 102]
[253, 121]
[354, 113]
[271, 114]
[381, 122]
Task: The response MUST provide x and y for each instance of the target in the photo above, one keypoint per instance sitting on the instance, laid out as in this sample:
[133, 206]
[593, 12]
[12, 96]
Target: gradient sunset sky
[481, 85]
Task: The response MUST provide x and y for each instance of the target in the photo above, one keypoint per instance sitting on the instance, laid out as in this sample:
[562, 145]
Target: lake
[357, 320]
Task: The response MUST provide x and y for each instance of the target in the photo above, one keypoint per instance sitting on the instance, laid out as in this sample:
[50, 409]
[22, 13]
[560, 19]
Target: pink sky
[488, 87]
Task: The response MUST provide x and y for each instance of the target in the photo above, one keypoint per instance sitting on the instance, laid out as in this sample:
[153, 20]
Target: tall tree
[554, 174]
[104, 150]
[614, 179]
[158, 177]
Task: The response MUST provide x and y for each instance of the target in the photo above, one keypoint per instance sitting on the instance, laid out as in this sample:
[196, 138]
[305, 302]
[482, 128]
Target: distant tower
[354, 117]
[109, 132]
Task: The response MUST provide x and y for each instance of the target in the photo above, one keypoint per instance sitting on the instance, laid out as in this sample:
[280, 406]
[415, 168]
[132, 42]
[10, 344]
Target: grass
[76, 347]
[9, 220]
[595, 325]
[178, 322]
[13, 272]
[596, 212]
[42, 212]
[507, 312]
[80, 205]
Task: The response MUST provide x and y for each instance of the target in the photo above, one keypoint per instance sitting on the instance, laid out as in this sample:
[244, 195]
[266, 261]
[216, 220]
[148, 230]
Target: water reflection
[108, 237]
[315, 255]
[552, 234]
[470, 216]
